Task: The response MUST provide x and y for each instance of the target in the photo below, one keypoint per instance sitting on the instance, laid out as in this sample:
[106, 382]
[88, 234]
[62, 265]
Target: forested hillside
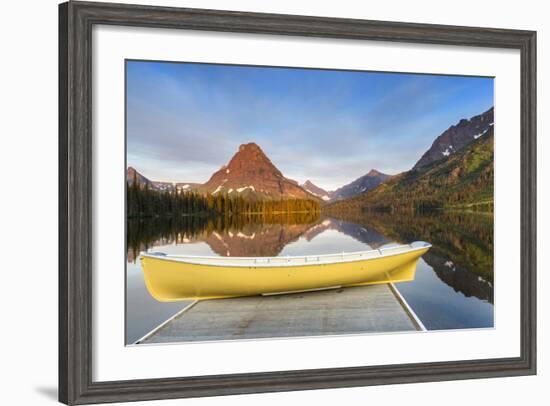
[463, 180]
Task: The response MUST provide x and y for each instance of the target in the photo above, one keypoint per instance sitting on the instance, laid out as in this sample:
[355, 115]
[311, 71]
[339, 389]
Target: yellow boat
[176, 277]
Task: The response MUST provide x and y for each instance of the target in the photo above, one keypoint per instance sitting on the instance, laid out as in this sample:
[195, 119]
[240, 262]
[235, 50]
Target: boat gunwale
[181, 258]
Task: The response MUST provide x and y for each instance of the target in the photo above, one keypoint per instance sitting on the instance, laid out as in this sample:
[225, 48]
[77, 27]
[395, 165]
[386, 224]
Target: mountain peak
[251, 172]
[251, 146]
[374, 172]
[361, 185]
[315, 190]
[457, 137]
[132, 175]
[250, 158]
[250, 151]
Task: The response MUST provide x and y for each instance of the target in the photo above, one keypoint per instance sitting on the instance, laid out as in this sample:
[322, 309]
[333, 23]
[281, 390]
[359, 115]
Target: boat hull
[171, 280]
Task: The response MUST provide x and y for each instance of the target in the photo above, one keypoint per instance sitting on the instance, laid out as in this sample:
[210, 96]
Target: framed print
[257, 202]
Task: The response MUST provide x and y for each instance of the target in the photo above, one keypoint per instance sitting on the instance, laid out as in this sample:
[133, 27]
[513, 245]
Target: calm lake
[453, 287]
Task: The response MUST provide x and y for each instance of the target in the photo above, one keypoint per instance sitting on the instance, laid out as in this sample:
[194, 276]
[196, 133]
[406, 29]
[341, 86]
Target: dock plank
[365, 309]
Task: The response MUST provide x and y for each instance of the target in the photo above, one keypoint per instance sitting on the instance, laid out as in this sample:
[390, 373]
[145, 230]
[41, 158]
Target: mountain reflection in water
[453, 287]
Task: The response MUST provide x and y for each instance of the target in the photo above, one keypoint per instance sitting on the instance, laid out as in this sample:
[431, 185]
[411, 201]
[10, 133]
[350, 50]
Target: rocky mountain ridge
[457, 137]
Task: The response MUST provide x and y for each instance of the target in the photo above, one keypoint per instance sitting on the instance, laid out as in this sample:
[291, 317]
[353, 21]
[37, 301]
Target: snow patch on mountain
[242, 189]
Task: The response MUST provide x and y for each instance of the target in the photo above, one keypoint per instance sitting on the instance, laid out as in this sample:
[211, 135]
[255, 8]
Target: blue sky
[184, 120]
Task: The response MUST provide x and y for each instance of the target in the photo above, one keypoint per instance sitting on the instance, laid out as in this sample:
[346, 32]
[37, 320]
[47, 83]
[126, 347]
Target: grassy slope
[464, 180]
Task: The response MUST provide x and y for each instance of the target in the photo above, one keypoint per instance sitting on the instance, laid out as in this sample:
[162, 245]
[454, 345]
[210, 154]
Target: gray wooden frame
[76, 20]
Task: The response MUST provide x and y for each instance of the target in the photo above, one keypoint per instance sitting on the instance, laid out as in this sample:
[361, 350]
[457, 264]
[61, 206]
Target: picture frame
[76, 20]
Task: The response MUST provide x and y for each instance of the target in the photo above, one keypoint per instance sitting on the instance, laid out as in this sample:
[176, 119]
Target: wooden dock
[365, 309]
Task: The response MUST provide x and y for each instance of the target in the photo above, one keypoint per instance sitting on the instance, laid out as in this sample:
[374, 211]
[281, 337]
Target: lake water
[452, 289]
